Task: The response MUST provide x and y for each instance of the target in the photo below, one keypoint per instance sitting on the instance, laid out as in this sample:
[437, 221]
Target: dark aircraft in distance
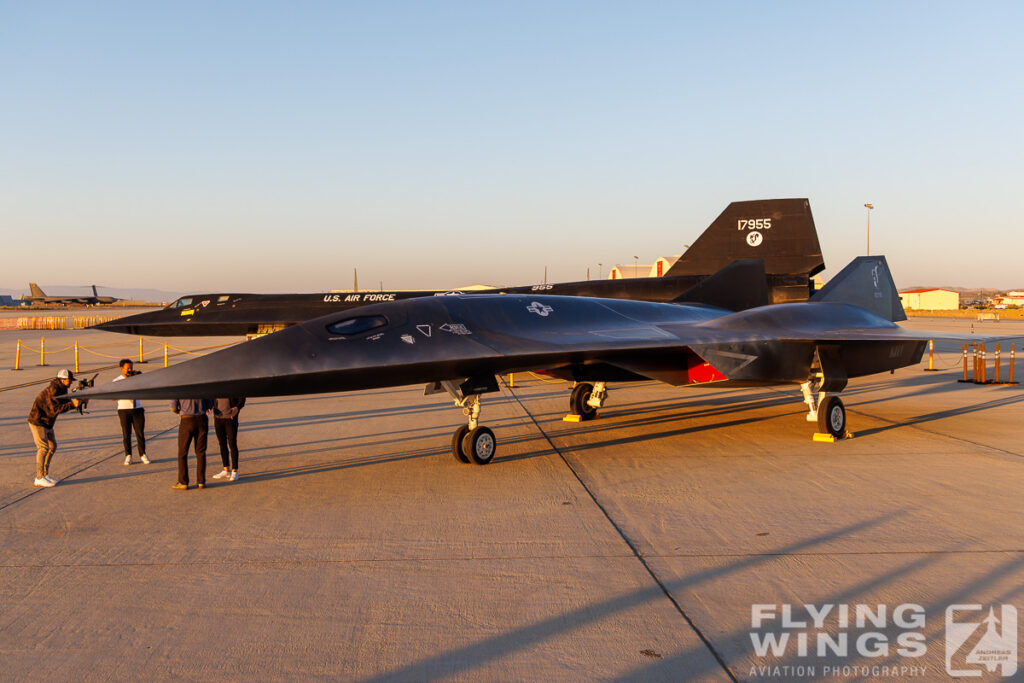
[779, 231]
[40, 297]
[460, 343]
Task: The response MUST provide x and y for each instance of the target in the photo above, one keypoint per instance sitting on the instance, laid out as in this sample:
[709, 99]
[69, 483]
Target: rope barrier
[547, 380]
[78, 349]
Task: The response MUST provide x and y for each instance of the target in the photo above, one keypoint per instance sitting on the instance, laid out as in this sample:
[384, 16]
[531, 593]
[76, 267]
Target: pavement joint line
[636, 552]
[485, 558]
[89, 466]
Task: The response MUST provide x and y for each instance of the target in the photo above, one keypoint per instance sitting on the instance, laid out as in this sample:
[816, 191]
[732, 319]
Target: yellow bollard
[42, 351]
[76, 356]
[931, 356]
[511, 380]
[17, 357]
[165, 354]
[140, 351]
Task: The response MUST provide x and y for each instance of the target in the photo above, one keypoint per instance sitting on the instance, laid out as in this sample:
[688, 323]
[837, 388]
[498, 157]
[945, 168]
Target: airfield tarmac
[632, 547]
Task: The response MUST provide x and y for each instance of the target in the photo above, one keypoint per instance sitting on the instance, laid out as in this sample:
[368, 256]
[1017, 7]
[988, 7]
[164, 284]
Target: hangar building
[930, 299]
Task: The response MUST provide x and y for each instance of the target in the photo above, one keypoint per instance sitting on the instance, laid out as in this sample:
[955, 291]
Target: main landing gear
[586, 399]
[472, 442]
[825, 409]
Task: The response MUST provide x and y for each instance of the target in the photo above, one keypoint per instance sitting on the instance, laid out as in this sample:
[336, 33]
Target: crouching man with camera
[41, 419]
[131, 414]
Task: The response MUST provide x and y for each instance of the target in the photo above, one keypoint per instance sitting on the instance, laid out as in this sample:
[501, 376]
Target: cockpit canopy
[348, 327]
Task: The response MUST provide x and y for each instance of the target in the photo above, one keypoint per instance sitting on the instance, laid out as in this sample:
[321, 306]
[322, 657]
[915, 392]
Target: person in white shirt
[131, 414]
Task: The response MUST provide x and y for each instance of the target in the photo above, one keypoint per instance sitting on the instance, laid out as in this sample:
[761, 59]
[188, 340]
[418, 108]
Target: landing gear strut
[587, 398]
[826, 410]
[472, 442]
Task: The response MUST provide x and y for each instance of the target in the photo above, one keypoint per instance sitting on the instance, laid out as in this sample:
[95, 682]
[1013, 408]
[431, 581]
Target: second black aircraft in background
[780, 232]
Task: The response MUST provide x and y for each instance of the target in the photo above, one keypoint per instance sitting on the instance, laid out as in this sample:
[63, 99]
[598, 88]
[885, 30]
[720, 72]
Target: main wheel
[479, 444]
[832, 417]
[578, 401]
[457, 449]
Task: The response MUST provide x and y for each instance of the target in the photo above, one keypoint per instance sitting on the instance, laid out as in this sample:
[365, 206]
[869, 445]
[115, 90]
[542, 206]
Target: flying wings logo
[996, 648]
[540, 309]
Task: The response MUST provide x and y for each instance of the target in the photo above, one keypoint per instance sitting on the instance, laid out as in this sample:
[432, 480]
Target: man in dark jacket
[194, 426]
[41, 419]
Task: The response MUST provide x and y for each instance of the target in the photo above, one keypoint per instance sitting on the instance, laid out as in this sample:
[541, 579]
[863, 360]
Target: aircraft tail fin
[737, 287]
[36, 291]
[865, 282]
[94, 292]
[779, 231]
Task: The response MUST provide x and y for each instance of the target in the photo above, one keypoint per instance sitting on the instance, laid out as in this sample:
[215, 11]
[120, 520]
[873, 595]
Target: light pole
[869, 207]
[600, 271]
[636, 266]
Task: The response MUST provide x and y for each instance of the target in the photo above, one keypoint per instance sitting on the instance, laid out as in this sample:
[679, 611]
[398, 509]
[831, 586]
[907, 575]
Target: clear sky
[268, 146]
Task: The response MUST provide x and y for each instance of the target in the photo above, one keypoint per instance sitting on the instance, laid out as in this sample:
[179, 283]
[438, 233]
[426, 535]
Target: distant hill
[131, 294]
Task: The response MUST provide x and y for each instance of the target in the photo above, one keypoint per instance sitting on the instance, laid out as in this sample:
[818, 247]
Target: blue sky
[275, 147]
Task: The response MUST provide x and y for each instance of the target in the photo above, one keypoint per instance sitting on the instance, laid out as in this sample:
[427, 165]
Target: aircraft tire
[457, 449]
[578, 401]
[480, 445]
[832, 417]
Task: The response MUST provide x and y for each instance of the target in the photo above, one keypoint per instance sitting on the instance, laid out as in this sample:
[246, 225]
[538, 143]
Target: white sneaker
[53, 480]
[128, 460]
[43, 482]
[223, 474]
[145, 460]
[234, 476]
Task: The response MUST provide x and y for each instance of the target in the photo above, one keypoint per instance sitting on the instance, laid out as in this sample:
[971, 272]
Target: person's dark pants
[227, 436]
[133, 417]
[192, 428]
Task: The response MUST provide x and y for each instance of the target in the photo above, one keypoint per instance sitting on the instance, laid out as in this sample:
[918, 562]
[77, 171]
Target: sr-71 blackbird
[460, 344]
[779, 231]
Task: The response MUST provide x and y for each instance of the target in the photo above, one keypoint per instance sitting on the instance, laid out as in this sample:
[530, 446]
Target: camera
[132, 373]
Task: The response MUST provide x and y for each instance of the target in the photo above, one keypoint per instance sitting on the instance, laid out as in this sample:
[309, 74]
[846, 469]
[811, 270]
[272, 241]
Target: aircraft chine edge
[460, 344]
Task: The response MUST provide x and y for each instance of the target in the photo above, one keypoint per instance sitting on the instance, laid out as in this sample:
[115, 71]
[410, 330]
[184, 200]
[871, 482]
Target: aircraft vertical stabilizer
[865, 282]
[779, 231]
[36, 291]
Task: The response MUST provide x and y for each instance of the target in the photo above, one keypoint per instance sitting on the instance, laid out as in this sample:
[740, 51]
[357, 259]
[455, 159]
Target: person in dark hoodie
[225, 425]
[41, 419]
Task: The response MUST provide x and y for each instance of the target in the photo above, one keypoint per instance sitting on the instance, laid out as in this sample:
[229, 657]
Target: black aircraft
[40, 297]
[459, 344]
[779, 231]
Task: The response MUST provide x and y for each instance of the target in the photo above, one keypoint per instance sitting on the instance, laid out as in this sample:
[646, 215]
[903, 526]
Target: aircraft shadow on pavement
[916, 420]
[697, 662]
